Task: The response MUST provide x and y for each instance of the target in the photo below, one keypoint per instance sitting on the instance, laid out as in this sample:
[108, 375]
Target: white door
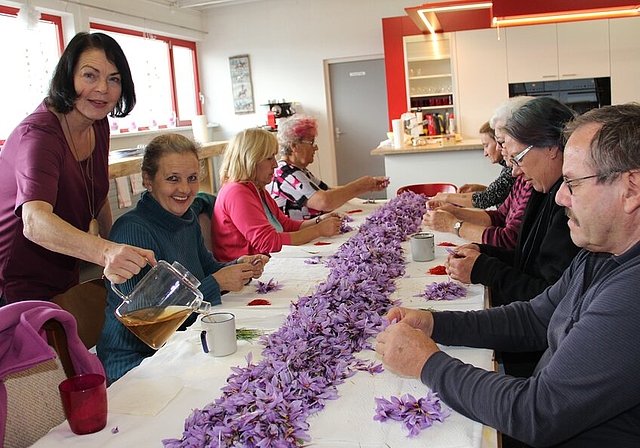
[360, 123]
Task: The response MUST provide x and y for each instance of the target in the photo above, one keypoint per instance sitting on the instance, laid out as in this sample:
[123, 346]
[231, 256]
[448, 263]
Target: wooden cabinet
[552, 52]
[625, 59]
[429, 73]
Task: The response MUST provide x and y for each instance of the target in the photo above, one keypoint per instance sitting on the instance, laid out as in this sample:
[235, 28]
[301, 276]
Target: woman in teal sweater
[163, 222]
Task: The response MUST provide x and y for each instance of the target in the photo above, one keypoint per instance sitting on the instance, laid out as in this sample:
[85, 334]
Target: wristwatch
[456, 228]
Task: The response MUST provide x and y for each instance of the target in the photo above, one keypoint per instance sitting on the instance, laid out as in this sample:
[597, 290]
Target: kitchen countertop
[464, 145]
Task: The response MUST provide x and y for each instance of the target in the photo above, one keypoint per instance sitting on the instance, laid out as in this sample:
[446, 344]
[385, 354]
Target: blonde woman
[246, 220]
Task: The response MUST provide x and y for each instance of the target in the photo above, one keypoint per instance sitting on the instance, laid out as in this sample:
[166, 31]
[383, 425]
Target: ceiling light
[428, 13]
[534, 19]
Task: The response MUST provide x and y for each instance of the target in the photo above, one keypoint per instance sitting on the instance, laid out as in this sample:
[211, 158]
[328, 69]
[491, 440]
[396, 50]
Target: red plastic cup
[84, 399]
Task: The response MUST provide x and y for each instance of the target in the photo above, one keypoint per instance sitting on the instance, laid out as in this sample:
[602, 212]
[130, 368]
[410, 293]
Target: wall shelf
[443, 75]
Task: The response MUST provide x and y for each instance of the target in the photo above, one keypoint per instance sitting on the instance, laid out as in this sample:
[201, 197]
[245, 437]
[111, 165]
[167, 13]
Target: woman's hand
[121, 262]
[438, 200]
[257, 263]
[439, 220]
[460, 265]
[471, 188]
[234, 277]
[329, 226]
[379, 183]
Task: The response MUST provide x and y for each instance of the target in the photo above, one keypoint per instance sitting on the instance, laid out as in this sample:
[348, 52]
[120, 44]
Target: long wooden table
[151, 402]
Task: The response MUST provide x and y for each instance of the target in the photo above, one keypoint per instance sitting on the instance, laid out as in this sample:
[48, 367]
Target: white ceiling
[202, 4]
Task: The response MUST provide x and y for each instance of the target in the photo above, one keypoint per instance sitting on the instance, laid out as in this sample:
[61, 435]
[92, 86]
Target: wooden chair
[203, 208]
[428, 190]
[87, 302]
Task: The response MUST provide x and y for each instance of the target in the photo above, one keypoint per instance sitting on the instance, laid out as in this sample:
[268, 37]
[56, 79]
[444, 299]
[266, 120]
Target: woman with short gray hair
[299, 193]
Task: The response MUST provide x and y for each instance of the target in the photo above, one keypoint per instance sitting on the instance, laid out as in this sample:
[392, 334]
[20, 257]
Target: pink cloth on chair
[23, 343]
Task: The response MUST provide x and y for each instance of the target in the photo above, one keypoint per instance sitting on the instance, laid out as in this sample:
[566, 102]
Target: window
[165, 73]
[30, 56]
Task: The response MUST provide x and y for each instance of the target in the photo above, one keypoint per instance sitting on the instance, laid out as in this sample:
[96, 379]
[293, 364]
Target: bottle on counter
[452, 124]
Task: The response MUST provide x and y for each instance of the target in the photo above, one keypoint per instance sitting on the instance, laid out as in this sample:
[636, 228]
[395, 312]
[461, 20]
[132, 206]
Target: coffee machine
[277, 111]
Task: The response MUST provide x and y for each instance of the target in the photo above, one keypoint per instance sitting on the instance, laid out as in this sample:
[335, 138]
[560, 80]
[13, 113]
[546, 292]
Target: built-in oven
[579, 94]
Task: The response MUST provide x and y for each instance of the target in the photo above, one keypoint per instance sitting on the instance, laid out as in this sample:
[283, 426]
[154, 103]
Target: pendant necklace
[94, 227]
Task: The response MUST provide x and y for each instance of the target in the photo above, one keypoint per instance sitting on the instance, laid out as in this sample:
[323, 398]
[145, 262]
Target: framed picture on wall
[241, 84]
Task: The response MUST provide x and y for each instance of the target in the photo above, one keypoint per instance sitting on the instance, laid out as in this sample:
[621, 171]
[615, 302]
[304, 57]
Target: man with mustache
[584, 392]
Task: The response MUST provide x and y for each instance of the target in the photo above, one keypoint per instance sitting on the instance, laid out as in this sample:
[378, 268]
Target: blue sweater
[171, 238]
[585, 392]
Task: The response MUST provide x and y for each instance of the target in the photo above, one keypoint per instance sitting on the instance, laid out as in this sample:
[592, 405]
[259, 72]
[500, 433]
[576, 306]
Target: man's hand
[405, 349]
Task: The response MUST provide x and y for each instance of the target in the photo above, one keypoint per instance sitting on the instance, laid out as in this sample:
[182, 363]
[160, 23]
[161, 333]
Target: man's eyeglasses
[312, 142]
[499, 143]
[569, 182]
[515, 161]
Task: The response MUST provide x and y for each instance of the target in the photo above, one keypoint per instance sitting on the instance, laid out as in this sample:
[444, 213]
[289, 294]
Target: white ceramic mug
[423, 247]
[218, 335]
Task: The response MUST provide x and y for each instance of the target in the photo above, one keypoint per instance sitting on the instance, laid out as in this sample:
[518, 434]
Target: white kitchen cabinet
[532, 53]
[583, 49]
[480, 64]
[550, 52]
[625, 59]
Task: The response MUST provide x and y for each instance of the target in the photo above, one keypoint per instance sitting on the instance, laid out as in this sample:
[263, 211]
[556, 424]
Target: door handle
[338, 134]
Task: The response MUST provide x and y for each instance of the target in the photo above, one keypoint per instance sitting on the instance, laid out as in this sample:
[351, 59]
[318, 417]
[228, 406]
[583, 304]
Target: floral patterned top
[496, 192]
[292, 187]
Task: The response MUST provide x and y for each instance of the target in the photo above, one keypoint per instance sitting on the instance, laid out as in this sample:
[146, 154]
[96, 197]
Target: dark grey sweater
[585, 391]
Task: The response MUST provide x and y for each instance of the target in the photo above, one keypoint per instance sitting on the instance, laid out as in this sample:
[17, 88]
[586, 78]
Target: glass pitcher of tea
[160, 303]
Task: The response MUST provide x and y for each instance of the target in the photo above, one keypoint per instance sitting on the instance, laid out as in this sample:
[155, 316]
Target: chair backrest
[33, 399]
[87, 303]
[203, 207]
[429, 190]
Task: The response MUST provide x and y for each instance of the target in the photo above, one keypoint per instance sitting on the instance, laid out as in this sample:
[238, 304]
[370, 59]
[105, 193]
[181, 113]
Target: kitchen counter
[460, 163]
[124, 166]
[463, 145]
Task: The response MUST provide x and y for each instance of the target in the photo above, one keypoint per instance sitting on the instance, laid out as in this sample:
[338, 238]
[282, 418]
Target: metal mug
[422, 247]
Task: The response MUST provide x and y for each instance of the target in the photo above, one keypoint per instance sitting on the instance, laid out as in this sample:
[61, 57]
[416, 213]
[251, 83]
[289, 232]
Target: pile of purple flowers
[416, 414]
[268, 403]
[443, 291]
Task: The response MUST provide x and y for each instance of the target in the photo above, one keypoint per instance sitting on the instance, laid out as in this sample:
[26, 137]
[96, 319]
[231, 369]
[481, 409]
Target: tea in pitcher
[154, 325]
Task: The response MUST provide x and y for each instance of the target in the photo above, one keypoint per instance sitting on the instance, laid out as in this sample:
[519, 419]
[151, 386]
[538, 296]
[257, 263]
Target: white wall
[288, 42]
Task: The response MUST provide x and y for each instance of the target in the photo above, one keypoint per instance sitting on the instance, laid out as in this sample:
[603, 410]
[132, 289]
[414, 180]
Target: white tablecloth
[181, 377]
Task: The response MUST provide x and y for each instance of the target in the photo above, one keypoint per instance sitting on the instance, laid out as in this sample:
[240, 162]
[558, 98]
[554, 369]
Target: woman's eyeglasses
[499, 143]
[312, 142]
[515, 160]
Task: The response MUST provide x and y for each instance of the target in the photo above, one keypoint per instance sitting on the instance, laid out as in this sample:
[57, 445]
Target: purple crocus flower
[270, 286]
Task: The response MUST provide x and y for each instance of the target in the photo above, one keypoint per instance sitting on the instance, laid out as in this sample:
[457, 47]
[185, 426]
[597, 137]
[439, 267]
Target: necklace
[94, 227]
